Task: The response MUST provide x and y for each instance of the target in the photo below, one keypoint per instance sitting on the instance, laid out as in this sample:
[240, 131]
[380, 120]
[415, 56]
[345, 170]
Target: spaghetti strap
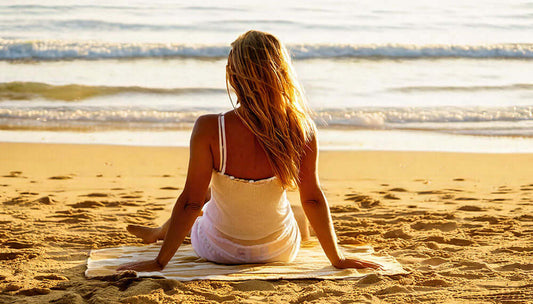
[222, 143]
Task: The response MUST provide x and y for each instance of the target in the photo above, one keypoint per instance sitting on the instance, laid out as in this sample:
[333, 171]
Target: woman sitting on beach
[250, 156]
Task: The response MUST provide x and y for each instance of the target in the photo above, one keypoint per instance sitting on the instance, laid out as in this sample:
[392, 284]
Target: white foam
[57, 50]
[504, 121]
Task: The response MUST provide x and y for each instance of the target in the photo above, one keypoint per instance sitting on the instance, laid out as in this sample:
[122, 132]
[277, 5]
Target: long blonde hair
[272, 104]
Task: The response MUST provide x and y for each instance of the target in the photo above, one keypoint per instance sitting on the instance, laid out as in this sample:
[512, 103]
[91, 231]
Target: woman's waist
[272, 237]
[248, 224]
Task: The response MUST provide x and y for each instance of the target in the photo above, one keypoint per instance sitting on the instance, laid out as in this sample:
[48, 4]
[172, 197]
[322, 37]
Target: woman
[250, 155]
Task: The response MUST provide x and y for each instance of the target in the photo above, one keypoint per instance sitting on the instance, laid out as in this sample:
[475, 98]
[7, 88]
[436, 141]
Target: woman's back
[245, 159]
[248, 219]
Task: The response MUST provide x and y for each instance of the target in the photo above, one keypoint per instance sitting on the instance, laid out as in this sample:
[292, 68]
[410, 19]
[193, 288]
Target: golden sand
[462, 224]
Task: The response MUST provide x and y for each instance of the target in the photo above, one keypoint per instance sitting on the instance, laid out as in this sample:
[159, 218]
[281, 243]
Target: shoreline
[329, 140]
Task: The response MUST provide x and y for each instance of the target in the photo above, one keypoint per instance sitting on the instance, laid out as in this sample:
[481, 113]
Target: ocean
[379, 75]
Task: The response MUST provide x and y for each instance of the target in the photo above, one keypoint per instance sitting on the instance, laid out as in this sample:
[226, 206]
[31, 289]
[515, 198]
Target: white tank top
[246, 209]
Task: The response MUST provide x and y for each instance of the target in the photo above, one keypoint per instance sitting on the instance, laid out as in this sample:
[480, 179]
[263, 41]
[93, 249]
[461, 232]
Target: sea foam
[59, 50]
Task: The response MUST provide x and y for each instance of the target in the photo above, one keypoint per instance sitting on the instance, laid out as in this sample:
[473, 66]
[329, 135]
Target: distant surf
[65, 50]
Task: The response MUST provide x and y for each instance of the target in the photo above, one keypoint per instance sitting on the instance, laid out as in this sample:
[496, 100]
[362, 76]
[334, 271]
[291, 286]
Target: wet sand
[462, 224]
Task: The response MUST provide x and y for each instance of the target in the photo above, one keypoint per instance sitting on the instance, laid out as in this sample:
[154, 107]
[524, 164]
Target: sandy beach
[462, 224]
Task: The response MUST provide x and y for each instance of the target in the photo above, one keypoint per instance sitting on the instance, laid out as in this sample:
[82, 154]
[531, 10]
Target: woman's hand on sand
[150, 265]
[359, 264]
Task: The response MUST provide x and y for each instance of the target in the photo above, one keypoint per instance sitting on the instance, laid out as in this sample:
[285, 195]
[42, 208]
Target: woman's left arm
[189, 204]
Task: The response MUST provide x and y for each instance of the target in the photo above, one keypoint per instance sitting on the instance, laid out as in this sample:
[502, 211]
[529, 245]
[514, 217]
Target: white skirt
[213, 246]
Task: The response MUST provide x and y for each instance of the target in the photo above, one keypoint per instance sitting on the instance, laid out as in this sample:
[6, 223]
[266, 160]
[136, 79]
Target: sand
[462, 224]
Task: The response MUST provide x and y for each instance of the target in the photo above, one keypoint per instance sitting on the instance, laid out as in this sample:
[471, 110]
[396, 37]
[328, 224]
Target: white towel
[311, 262]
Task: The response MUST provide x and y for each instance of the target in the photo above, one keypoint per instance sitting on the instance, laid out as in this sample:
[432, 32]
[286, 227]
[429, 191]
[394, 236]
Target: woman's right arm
[316, 209]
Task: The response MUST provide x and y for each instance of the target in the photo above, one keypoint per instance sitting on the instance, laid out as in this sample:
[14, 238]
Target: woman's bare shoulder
[205, 127]
[207, 120]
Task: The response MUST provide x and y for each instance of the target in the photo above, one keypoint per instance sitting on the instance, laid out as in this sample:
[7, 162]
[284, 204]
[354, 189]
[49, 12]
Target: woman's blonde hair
[272, 104]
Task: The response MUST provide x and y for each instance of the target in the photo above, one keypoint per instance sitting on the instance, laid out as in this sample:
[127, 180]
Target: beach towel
[310, 263]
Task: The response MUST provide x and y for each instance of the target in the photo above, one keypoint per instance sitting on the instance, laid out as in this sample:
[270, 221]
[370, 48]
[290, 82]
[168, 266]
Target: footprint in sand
[364, 201]
[23, 253]
[430, 192]
[343, 209]
[130, 204]
[14, 174]
[46, 200]
[445, 226]
[525, 218]
[515, 266]
[514, 249]
[131, 196]
[466, 199]
[470, 208]
[391, 196]
[96, 194]
[434, 261]
[60, 177]
[34, 291]
[53, 277]
[393, 289]
[454, 190]
[370, 279]
[470, 265]
[169, 188]
[397, 233]
[498, 200]
[398, 190]
[485, 218]
[453, 241]
[5, 256]
[87, 204]
[461, 242]
[73, 217]
[19, 244]
[436, 283]
[528, 187]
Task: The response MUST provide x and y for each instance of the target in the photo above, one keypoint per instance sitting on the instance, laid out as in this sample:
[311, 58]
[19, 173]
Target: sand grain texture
[461, 224]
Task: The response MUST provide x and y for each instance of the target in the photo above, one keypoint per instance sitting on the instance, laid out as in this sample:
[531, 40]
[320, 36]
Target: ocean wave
[509, 120]
[76, 92]
[19, 90]
[61, 50]
[474, 88]
[396, 117]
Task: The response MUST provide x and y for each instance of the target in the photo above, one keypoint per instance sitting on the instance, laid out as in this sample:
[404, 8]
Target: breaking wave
[508, 121]
[61, 50]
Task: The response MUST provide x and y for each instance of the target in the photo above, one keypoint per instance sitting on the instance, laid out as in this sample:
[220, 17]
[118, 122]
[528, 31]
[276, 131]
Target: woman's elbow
[186, 205]
[193, 206]
[312, 196]
[313, 203]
